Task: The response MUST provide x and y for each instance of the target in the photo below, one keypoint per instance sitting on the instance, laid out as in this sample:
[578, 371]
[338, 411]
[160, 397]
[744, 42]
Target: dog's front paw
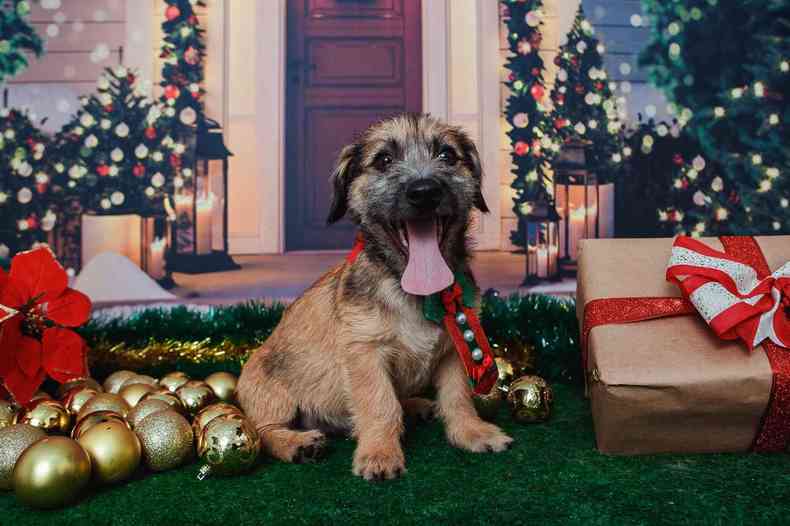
[478, 436]
[379, 463]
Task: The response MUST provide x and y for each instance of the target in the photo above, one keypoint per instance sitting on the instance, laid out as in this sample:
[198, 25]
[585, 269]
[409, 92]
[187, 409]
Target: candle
[543, 261]
[183, 205]
[577, 231]
[532, 262]
[156, 259]
[205, 209]
[553, 260]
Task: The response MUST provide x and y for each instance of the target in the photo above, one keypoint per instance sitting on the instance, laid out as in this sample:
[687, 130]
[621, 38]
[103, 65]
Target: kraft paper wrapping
[667, 385]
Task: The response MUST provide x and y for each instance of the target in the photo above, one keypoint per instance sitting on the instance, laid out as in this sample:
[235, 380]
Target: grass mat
[553, 475]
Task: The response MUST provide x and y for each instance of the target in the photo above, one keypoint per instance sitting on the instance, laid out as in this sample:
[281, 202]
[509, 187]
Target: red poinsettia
[35, 341]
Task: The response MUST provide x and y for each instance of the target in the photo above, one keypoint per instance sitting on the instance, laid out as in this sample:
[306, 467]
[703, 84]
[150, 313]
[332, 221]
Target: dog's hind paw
[379, 464]
[420, 409]
[479, 437]
[307, 446]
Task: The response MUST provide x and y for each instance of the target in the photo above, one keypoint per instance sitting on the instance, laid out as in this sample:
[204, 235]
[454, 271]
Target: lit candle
[532, 261]
[156, 259]
[553, 259]
[543, 261]
[183, 204]
[205, 209]
[576, 231]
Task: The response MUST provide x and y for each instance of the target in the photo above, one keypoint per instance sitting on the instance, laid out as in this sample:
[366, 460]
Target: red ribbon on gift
[739, 297]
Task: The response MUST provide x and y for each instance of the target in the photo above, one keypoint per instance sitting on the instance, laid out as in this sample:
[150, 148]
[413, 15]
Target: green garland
[196, 340]
[16, 37]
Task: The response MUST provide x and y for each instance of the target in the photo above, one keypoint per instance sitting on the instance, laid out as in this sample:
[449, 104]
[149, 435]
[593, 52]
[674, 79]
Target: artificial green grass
[553, 475]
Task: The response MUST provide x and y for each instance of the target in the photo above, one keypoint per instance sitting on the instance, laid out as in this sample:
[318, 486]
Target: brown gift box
[667, 385]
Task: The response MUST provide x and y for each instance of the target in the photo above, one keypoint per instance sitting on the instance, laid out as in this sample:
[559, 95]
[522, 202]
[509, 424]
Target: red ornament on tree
[535, 72]
[579, 89]
[35, 341]
[535, 39]
[560, 123]
[678, 159]
[599, 86]
[536, 148]
[192, 20]
[171, 91]
[560, 99]
[138, 170]
[103, 170]
[557, 60]
[108, 108]
[196, 95]
[41, 188]
[537, 91]
[575, 62]
[191, 56]
[150, 133]
[172, 12]
[175, 161]
[32, 222]
[511, 76]
[521, 148]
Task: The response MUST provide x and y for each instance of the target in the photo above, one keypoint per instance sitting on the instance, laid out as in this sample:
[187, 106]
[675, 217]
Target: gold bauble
[14, 439]
[66, 387]
[223, 384]
[505, 370]
[195, 396]
[145, 408]
[95, 418]
[521, 356]
[51, 473]
[76, 398]
[48, 415]
[114, 382]
[8, 411]
[174, 380]
[114, 449]
[530, 399]
[229, 445]
[104, 402]
[209, 413]
[167, 440]
[166, 396]
[40, 395]
[133, 393]
[488, 405]
[140, 379]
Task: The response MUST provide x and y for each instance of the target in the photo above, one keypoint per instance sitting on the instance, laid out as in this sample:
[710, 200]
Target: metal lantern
[542, 244]
[199, 212]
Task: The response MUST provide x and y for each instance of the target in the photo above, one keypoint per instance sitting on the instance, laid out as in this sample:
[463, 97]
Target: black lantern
[542, 243]
[199, 212]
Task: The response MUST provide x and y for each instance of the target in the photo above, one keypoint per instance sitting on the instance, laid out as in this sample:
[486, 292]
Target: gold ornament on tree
[114, 382]
[223, 384]
[195, 396]
[229, 445]
[145, 408]
[172, 381]
[167, 440]
[51, 473]
[114, 449]
[8, 411]
[14, 439]
[48, 415]
[530, 399]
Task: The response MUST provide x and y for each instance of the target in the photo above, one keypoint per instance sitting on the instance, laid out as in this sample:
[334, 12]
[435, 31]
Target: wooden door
[349, 64]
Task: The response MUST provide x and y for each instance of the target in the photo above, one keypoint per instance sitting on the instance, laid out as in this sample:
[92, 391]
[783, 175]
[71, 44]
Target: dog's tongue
[426, 272]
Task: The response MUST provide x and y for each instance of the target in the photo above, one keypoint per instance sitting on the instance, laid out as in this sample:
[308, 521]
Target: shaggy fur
[351, 354]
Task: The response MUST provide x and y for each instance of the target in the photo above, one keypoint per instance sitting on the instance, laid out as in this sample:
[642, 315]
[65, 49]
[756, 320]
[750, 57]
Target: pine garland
[17, 38]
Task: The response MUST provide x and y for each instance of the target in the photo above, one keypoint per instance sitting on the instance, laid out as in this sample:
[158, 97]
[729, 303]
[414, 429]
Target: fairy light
[719, 112]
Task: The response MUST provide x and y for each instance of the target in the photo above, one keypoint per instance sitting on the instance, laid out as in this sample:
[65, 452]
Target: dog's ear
[346, 168]
[473, 162]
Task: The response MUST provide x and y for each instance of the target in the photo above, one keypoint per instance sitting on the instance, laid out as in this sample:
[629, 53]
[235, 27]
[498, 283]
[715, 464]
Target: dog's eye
[382, 162]
[447, 155]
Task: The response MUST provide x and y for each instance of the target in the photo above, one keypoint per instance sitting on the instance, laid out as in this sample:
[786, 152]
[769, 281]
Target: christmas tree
[17, 37]
[724, 66]
[585, 106]
[528, 110]
[182, 51]
[28, 181]
[116, 150]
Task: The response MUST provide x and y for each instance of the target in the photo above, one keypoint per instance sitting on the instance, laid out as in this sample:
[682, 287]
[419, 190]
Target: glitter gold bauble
[114, 449]
[133, 393]
[223, 384]
[51, 473]
[48, 415]
[8, 411]
[145, 408]
[488, 405]
[172, 400]
[209, 413]
[195, 396]
[14, 439]
[76, 398]
[167, 440]
[530, 399]
[174, 380]
[140, 379]
[85, 382]
[229, 445]
[114, 382]
[95, 418]
[104, 402]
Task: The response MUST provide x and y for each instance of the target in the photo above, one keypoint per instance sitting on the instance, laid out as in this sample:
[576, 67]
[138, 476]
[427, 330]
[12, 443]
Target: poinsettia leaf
[22, 387]
[70, 309]
[10, 333]
[63, 354]
[28, 355]
[12, 295]
[37, 274]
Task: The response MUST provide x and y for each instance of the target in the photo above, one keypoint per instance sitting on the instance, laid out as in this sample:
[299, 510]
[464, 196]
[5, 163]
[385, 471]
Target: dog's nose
[424, 194]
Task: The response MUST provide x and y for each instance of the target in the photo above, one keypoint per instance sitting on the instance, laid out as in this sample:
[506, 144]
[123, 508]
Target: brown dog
[350, 354]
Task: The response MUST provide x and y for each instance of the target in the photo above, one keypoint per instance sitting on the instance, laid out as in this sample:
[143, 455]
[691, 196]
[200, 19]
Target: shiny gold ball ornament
[114, 382]
[76, 398]
[104, 402]
[195, 396]
[114, 449]
[133, 393]
[223, 384]
[488, 405]
[172, 381]
[14, 439]
[229, 445]
[51, 473]
[140, 379]
[145, 408]
[209, 413]
[166, 396]
[95, 418]
[167, 440]
[530, 399]
[8, 411]
[48, 415]
[505, 371]
[84, 382]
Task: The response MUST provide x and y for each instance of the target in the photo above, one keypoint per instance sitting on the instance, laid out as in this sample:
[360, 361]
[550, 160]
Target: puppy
[351, 354]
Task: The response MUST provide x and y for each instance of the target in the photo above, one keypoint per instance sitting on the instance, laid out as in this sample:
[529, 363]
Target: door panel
[350, 64]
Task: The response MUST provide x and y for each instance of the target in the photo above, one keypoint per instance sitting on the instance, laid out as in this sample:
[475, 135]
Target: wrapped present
[682, 343]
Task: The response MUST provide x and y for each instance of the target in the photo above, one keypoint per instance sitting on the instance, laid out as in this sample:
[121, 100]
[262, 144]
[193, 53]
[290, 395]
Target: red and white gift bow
[729, 294]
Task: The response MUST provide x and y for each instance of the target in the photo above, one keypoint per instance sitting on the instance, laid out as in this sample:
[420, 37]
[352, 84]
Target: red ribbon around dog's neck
[774, 433]
[482, 373]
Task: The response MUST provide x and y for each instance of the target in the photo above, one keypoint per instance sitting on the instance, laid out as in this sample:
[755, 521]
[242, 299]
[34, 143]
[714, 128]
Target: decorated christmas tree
[529, 111]
[116, 150]
[18, 39]
[725, 67]
[182, 52]
[585, 106]
[28, 180]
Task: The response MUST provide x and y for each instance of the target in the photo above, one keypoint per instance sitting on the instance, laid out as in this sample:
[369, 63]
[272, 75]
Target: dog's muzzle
[424, 194]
